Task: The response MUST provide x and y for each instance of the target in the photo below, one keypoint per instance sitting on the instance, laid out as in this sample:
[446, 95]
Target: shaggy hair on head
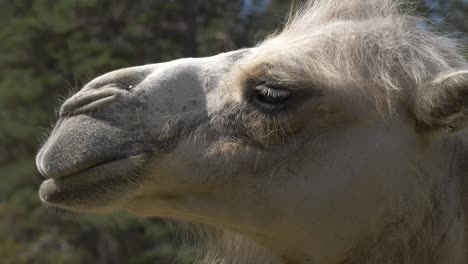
[373, 46]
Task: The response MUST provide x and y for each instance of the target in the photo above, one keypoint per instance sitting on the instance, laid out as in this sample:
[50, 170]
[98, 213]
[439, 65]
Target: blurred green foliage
[48, 50]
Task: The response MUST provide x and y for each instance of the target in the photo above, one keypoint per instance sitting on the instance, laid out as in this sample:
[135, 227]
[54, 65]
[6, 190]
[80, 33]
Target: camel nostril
[89, 102]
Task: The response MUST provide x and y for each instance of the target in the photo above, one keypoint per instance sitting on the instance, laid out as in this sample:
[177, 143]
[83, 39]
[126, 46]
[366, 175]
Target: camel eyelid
[275, 98]
[299, 89]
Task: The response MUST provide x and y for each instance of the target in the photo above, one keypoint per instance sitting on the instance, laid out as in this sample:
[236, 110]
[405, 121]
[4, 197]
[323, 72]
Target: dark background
[50, 48]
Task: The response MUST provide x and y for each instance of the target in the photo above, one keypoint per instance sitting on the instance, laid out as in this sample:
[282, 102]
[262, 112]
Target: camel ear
[442, 104]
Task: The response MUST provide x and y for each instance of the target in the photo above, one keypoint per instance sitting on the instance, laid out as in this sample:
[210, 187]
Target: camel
[337, 140]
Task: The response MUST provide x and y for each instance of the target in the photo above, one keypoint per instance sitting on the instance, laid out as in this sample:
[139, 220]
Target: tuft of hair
[211, 245]
[319, 12]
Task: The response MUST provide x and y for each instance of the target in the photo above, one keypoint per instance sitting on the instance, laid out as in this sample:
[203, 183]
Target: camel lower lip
[91, 182]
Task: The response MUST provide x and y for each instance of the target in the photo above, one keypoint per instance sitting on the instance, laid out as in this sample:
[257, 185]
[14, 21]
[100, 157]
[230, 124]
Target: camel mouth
[98, 182]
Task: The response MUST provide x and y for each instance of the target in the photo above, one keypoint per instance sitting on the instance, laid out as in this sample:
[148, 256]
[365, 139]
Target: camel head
[338, 130]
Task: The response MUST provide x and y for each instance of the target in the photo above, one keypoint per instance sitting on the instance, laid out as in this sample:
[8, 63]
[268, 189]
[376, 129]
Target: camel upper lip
[64, 170]
[79, 169]
[56, 167]
[95, 168]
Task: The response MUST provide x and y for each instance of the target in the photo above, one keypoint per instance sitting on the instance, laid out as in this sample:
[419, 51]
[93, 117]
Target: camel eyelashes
[272, 93]
[270, 96]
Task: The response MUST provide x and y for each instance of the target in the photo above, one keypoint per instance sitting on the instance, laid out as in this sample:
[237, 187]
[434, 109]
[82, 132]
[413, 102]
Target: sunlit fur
[375, 45]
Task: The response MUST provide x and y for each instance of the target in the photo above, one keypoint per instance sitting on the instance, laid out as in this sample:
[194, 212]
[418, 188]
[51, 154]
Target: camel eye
[270, 96]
